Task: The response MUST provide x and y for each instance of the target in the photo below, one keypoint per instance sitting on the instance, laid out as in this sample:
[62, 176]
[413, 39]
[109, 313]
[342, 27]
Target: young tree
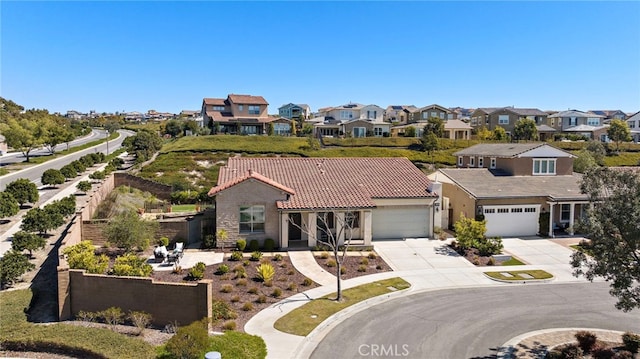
[8, 205]
[129, 231]
[42, 220]
[334, 229]
[584, 162]
[30, 241]
[52, 177]
[84, 186]
[143, 145]
[12, 266]
[68, 171]
[499, 134]
[484, 134]
[23, 190]
[619, 131]
[434, 125]
[24, 135]
[525, 129]
[270, 129]
[410, 131]
[173, 128]
[611, 226]
[597, 150]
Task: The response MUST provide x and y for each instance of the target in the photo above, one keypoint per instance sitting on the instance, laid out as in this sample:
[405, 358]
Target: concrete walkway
[306, 264]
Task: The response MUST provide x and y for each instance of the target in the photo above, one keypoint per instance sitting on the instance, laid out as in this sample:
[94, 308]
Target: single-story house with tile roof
[513, 186]
[285, 199]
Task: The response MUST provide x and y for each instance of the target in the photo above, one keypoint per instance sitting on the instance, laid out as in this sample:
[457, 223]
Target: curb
[524, 281]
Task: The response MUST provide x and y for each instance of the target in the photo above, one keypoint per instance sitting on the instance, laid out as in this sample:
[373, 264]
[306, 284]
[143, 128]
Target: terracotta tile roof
[247, 99]
[334, 182]
[214, 101]
[250, 174]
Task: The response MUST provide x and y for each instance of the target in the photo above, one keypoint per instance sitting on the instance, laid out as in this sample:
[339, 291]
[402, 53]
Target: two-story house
[634, 126]
[352, 119]
[294, 111]
[520, 189]
[399, 114]
[432, 111]
[584, 123]
[237, 114]
[610, 114]
[505, 117]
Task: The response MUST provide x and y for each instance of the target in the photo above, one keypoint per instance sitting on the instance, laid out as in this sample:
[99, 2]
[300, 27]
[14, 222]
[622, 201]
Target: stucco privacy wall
[159, 190]
[176, 229]
[166, 302]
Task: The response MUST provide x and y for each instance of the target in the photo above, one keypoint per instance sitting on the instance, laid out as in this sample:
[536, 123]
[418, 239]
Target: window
[516, 210]
[489, 210]
[372, 114]
[251, 219]
[544, 166]
[425, 115]
[460, 161]
[503, 210]
[352, 219]
[480, 161]
[254, 110]
[377, 131]
[472, 161]
[240, 107]
[345, 115]
[218, 108]
[573, 121]
[632, 124]
[565, 212]
[442, 115]
[530, 210]
[503, 119]
[434, 114]
[249, 130]
[281, 128]
[492, 163]
[593, 121]
[359, 132]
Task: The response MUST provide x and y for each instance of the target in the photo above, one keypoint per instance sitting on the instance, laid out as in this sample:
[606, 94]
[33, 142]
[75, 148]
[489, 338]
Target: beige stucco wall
[460, 202]
[248, 193]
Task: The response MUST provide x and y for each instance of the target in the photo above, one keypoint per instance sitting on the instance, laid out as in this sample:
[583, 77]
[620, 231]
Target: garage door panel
[512, 221]
[400, 222]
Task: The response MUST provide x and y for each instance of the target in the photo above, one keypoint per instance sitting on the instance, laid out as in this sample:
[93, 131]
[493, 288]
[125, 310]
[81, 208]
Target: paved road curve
[472, 323]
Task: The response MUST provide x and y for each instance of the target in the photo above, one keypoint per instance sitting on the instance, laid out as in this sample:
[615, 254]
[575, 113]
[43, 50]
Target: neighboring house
[610, 114]
[282, 126]
[294, 111]
[453, 129]
[634, 125]
[398, 113]
[352, 119]
[190, 114]
[461, 113]
[75, 115]
[505, 117]
[431, 111]
[237, 114]
[382, 198]
[134, 116]
[512, 185]
[545, 132]
[3, 145]
[564, 120]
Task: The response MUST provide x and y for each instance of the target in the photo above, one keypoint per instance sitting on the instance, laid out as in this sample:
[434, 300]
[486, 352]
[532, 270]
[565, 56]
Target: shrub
[362, 268]
[324, 255]
[195, 273]
[241, 244]
[631, 342]
[256, 255]
[331, 263]
[571, 351]
[364, 261]
[284, 265]
[277, 257]
[254, 245]
[602, 352]
[343, 270]
[222, 269]
[241, 282]
[163, 241]
[586, 340]
[131, 265]
[372, 255]
[177, 270]
[140, 320]
[277, 292]
[247, 306]
[292, 287]
[221, 310]
[236, 256]
[226, 288]
[268, 283]
[261, 299]
[307, 282]
[490, 246]
[190, 341]
[491, 262]
[253, 290]
[379, 267]
[112, 316]
[623, 355]
[86, 316]
[235, 299]
[246, 262]
[229, 325]
[269, 244]
[209, 241]
[265, 272]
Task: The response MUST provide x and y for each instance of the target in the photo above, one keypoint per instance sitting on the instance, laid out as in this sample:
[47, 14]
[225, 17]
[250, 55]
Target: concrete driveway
[415, 254]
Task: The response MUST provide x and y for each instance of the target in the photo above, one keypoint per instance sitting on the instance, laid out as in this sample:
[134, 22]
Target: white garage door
[512, 221]
[400, 222]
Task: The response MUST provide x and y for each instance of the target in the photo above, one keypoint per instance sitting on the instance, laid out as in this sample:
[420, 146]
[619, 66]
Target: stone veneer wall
[167, 303]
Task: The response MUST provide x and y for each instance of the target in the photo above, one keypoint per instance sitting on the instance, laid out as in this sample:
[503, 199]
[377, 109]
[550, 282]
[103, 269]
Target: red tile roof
[247, 99]
[250, 174]
[332, 182]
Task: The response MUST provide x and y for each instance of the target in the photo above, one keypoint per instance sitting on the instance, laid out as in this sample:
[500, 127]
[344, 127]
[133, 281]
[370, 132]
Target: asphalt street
[471, 323]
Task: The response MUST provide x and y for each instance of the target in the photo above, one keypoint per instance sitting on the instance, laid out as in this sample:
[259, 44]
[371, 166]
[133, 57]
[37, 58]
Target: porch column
[284, 229]
[551, 220]
[571, 215]
[366, 224]
[339, 221]
[313, 230]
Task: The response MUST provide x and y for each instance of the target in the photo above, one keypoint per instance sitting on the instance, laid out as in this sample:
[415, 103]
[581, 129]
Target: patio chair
[179, 250]
[160, 254]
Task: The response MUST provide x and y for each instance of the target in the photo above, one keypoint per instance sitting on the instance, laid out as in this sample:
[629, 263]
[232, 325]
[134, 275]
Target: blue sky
[135, 56]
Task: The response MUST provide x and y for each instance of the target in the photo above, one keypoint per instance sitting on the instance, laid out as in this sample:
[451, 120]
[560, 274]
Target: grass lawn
[183, 207]
[512, 262]
[516, 275]
[302, 320]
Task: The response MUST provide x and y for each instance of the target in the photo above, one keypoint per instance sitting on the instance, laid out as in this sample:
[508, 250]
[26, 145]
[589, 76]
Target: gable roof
[446, 110]
[526, 111]
[574, 113]
[214, 101]
[332, 182]
[456, 124]
[250, 174]
[511, 150]
[481, 183]
[247, 99]
[545, 128]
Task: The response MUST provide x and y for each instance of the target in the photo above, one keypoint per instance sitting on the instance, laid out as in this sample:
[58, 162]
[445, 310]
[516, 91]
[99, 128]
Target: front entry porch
[309, 229]
[563, 216]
